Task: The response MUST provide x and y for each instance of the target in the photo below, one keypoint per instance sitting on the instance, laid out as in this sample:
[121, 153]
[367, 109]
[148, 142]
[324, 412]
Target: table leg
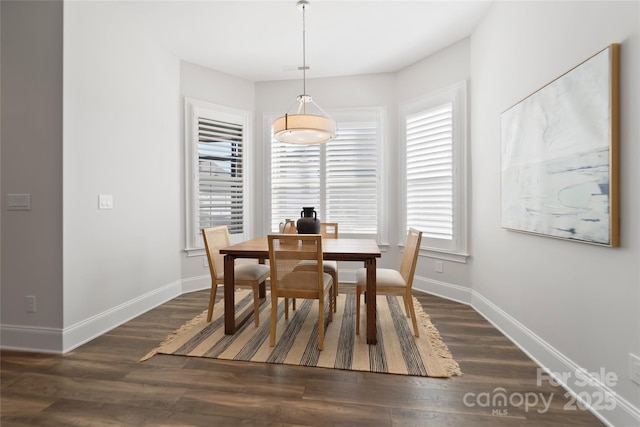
[262, 288]
[370, 265]
[229, 295]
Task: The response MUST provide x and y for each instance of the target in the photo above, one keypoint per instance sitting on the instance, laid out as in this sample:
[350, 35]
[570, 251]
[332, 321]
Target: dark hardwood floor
[102, 383]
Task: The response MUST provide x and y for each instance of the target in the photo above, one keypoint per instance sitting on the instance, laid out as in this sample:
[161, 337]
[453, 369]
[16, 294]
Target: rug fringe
[171, 337]
[451, 366]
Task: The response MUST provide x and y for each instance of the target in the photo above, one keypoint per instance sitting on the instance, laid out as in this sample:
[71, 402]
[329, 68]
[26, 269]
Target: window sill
[191, 252]
[446, 256]
[384, 247]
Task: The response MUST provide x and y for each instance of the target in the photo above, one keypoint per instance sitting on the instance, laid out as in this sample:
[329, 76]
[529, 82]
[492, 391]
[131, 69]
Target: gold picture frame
[560, 155]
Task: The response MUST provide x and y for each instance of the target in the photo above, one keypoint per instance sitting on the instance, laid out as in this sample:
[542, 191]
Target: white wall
[32, 164]
[444, 68]
[122, 137]
[571, 305]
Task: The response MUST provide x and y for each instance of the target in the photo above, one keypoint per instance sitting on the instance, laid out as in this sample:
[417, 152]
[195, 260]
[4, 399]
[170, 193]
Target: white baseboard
[82, 332]
[612, 409]
[197, 283]
[446, 290]
[29, 338]
[55, 340]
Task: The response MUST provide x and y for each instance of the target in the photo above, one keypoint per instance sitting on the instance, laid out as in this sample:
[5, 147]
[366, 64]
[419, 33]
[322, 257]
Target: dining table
[341, 249]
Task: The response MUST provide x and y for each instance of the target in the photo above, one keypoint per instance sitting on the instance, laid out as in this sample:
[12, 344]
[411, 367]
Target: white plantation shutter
[429, 180]
[220, 174]
[295, 180]
[351, 178]
[435, 177]
[338, 178]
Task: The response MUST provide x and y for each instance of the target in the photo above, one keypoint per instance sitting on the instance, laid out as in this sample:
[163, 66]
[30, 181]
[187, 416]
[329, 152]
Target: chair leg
[358, 311]
[274, 319]
[321, 323]
[414, 321]
[334, 291]
[406, 299]
[212, 300]
[331, 301]
[286, 307]
[256, 304]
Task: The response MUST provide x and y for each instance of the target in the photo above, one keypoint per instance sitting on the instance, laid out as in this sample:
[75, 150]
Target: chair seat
[304, 280]
[385, 277]
[248, 272]
[327, 266]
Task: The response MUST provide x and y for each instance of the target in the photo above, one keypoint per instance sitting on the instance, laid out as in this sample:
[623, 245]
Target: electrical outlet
[634, 368]
[439, 267]
[30, 304]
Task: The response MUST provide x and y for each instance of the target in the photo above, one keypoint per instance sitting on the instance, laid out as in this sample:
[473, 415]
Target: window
[215, 159]
[434, 134]
[351, 176]
[339, 178]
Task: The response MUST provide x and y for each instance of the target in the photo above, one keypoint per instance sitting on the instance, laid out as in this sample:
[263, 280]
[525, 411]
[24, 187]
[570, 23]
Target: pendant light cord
[304, 59]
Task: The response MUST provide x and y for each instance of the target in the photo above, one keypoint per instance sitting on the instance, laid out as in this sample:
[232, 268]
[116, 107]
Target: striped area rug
[397, 351]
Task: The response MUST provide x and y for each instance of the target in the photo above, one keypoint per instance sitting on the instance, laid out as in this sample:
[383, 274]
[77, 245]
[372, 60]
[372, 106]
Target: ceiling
[262, 40]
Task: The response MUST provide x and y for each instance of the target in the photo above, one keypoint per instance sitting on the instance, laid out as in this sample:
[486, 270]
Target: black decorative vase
[308, 223]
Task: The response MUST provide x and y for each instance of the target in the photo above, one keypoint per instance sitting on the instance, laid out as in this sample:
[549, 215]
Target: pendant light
[304, 127]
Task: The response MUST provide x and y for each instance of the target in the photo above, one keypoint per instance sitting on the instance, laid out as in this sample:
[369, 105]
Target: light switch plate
[105, 201]
[19, 202]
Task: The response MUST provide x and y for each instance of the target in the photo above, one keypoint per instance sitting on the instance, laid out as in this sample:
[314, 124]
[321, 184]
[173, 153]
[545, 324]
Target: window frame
[455, 94]
[350, 115]
[193, 109]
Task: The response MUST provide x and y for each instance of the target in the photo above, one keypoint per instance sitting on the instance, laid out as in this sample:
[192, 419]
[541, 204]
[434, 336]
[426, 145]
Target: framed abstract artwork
[559, 155]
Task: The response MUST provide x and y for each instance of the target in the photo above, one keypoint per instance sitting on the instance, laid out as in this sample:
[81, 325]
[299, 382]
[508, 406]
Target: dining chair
[245, 275]
[286, 251]
[390, 281]
[328, 230]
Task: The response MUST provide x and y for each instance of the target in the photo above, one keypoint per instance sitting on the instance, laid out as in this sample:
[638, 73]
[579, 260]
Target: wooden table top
[332, 249]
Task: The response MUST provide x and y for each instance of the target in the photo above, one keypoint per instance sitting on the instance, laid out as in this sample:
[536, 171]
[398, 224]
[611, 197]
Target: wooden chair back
[216, 238]
[329, 230]
[286, 251]
[410, 256]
